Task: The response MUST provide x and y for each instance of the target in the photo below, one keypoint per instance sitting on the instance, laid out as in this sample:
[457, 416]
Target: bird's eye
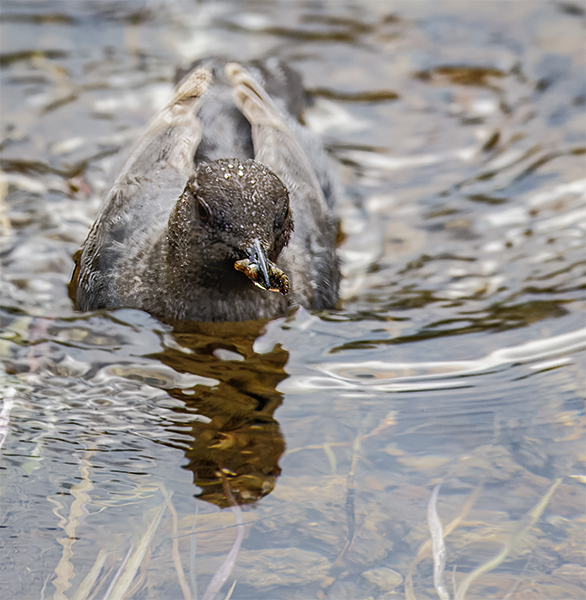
[203, 210]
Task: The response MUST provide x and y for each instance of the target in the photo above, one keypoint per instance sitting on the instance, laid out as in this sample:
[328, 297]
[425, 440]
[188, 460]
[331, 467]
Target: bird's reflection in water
[242, 439]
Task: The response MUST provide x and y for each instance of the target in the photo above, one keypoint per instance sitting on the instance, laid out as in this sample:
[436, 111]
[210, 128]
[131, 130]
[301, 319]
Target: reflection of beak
[261, 271]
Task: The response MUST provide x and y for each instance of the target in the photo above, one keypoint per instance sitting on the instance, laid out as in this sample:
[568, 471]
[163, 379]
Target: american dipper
[224, 209]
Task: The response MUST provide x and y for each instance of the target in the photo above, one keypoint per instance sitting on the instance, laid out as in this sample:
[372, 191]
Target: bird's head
[233, 217]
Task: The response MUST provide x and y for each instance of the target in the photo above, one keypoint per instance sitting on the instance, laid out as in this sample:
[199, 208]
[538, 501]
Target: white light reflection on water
[419, 376]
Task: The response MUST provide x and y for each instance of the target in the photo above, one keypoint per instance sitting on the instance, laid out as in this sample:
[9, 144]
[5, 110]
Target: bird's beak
[261, 271]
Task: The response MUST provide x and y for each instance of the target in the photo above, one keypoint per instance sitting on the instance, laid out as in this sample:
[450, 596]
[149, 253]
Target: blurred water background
[296, 459]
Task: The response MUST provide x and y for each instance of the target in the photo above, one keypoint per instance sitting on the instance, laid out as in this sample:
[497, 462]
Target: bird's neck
[200, 292]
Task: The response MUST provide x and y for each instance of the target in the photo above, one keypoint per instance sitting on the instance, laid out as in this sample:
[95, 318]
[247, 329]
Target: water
[456, 356]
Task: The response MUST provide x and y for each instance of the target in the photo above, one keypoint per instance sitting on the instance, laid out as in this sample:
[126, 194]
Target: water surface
[455, 358]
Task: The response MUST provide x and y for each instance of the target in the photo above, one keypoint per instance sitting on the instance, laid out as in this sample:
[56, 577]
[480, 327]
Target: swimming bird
[224, 209]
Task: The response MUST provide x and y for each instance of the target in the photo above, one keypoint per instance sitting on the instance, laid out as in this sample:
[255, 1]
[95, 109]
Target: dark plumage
[224, 209]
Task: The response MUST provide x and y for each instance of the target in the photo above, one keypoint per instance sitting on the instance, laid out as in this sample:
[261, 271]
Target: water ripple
[389, 376]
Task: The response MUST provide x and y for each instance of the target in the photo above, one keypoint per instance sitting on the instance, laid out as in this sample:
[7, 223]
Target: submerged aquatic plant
[438, 546]
[226, 567]
[439, 550]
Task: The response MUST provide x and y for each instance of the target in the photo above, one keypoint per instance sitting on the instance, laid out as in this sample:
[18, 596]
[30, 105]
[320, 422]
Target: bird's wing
[274, 142]
[310, 253]
[150, 181]
[174, 134]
